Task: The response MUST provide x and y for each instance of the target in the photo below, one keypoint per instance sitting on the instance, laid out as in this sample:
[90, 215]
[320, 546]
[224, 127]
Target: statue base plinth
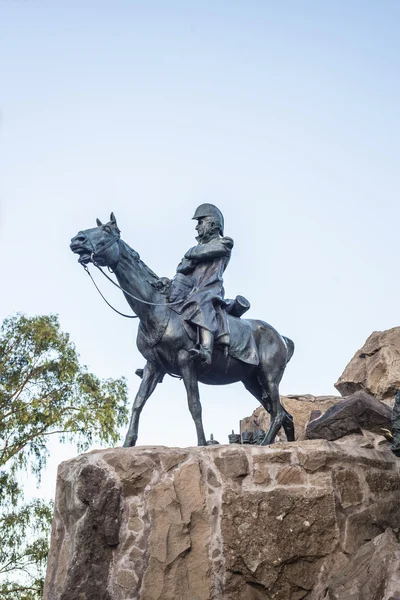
[217, 522]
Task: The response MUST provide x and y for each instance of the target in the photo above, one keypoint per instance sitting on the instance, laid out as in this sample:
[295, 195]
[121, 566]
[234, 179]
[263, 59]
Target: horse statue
[166, 342]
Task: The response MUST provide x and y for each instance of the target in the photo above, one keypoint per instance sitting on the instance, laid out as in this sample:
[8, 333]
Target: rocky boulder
[372, 573]
[375, 368]
[301, 407]
[220, 522]
[357, 413]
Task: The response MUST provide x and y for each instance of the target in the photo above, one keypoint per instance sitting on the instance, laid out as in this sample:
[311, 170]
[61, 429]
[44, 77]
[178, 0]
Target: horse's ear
[99, 223]
[113, 222]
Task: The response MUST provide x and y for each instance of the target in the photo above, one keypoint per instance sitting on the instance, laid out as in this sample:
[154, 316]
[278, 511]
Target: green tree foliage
[44, 391]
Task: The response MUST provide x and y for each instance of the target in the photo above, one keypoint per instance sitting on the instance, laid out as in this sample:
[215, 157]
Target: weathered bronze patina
[187, 328]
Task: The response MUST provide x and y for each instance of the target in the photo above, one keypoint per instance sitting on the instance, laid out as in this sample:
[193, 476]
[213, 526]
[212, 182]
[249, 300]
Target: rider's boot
[203, 352]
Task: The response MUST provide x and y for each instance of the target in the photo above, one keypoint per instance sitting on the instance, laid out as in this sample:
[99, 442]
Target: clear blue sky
[284, 114]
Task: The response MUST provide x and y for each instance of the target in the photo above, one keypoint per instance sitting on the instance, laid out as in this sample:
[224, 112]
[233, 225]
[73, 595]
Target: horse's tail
[290, 347]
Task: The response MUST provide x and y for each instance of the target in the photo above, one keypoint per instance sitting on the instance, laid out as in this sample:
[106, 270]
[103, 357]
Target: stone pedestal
[217, 523]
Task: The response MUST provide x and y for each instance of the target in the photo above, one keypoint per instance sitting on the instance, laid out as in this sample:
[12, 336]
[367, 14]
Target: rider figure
[201, 271]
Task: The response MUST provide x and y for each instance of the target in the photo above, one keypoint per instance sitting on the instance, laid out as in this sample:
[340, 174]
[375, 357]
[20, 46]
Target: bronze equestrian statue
[187, 328]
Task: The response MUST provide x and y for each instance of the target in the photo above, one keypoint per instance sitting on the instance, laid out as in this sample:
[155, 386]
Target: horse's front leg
[151, 376]
[188, 372]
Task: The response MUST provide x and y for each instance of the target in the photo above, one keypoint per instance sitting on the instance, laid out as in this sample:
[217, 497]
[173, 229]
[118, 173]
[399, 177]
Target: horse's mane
[150, 275]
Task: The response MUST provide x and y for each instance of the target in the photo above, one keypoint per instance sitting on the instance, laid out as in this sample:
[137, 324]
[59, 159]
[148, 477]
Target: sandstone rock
[367, 440]
[356, 413]
[375, 368]
[220, 522]
[88, 515]
[372, 573]
[293, 527]
[300, 407]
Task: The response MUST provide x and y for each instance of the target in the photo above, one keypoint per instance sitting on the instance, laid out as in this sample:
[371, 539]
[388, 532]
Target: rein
[105, 300]
[93, 259]
[123, 315]
[95, 252]
[135, 297]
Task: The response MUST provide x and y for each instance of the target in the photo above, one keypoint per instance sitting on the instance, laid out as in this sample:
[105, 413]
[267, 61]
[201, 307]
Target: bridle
[116, 237]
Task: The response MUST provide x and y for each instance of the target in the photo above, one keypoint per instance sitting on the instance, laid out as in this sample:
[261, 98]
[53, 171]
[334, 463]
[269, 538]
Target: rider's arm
[185, 267]
[214, 249]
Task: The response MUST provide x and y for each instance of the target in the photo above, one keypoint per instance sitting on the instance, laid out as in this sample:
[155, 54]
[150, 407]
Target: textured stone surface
[375, 368]
[86, 528]
[218, 523]
[372, 573]
[300, 407]
[356, 413]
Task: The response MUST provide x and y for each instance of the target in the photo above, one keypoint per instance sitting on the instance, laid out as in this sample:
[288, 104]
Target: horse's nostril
[79, 238]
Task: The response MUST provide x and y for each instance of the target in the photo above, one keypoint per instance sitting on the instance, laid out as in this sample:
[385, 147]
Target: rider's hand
[162, 283]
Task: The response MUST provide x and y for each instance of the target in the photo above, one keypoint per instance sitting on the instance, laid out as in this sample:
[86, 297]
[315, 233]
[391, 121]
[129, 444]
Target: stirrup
[201, 354]
[195, 351]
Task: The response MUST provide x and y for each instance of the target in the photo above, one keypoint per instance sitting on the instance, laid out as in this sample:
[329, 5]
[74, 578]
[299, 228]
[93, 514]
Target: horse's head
[99, 244]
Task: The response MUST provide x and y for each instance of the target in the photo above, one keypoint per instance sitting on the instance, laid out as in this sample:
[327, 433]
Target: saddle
[242, 345]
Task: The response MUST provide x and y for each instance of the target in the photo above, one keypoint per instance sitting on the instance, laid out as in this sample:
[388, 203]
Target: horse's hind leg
[288, 426]
[255, 388]
[188, 372]
[279, 416]
[151, 376]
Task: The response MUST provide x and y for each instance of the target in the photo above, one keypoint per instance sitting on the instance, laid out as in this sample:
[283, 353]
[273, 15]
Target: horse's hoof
[129, 443]
[266, 442]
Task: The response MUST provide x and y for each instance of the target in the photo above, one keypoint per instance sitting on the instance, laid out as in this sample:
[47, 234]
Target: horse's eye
[107, 229]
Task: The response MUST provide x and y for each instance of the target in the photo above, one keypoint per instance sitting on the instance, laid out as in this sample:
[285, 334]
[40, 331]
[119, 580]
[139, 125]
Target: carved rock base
[217, 523]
